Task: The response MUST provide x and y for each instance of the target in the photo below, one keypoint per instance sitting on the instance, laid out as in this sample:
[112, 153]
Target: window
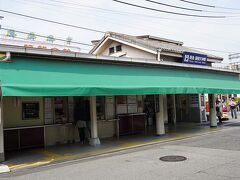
[60, 106]
[30, 110]
[118, 48]
[128, 104]
[109, 107]
[121, 104]
[111, 50]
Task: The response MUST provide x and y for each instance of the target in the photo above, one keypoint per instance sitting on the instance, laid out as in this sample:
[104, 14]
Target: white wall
[106, 129]
[60, 134]
[130, 51]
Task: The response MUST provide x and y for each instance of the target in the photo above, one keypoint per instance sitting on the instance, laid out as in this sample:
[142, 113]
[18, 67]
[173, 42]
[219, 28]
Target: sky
[220, 34]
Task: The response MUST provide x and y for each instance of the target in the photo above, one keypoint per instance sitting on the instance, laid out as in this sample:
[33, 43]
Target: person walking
[219, 111]
[233, 108]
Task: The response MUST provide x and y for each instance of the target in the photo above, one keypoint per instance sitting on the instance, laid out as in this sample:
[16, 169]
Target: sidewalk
[66, 152]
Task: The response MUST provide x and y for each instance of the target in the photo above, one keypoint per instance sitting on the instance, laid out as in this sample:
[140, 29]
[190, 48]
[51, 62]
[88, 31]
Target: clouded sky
[107, 15]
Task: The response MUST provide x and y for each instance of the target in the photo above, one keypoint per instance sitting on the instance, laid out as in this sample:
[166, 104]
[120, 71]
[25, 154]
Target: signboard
[194, 100]
[194, 58]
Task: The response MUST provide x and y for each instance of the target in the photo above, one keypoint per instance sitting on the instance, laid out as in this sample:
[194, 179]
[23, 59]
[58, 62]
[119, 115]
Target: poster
[131, 99]
[48, 113]
[132, 108]
[110, 110]
[194, 100]
[122, 109]
[121, 100]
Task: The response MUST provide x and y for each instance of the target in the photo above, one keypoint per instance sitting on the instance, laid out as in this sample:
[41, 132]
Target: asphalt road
[213, 156]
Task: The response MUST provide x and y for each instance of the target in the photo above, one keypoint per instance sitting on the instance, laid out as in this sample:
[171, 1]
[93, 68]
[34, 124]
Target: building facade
[44, 91]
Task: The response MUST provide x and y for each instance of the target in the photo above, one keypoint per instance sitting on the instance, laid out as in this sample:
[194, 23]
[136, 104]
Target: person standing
[219, 111]
[81, 125]
[233, 108]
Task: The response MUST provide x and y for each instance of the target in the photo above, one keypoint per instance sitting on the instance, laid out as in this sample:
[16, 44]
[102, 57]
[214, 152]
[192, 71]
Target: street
[212, 156]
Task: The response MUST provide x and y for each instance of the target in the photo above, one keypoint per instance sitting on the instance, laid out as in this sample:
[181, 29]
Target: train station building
[43, 92]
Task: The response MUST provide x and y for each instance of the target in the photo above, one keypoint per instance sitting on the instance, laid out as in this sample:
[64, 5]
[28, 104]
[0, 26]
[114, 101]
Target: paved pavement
[211, 156]
[55, 154]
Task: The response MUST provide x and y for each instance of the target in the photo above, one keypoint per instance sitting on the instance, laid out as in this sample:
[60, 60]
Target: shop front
[42, 94]
[37, 122]
[120, 115]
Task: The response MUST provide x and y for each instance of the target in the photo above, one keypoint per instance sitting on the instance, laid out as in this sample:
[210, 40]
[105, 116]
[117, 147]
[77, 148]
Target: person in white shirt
[81, 125]
[233, 108]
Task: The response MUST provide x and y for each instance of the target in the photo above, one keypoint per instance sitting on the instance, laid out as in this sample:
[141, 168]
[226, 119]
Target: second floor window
[111, 50]
[118, 48]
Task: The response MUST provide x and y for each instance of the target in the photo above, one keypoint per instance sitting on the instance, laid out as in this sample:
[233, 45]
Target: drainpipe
[7, 58]
[159, 54]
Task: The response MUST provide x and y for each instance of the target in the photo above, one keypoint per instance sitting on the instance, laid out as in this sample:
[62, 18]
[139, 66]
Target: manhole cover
[173, 158]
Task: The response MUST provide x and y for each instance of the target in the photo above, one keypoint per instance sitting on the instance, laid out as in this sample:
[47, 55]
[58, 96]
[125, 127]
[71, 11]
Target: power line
[59, 39]
[124, 12]
[213, 50]
[205, 5]
[177, 7]
[168, 12]
[103, 32]
[119, 23]
[90, 45]
[208, 5]
[189, 9]
[52, 44]
[50, 21]
[106, 19]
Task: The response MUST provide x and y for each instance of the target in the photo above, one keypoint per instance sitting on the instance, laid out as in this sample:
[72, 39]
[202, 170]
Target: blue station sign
[194, 58]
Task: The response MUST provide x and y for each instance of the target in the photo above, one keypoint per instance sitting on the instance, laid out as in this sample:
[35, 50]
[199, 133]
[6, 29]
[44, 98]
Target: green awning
[43, 77]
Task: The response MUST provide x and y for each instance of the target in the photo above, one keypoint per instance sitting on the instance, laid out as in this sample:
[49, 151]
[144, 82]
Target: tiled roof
[155, 43]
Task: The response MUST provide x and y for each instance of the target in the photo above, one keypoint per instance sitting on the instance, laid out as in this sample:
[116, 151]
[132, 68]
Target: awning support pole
[160, 118]
[94, 140]
[165, 108]
[212, 113]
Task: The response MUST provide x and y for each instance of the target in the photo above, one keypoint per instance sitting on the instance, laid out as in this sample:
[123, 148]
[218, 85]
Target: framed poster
[48, 111]
[132, 108]
[110, 108]
[194, 100]
[30, 110]
[122, 108]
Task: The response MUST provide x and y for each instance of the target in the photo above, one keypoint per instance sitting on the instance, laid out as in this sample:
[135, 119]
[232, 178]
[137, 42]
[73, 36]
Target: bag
[217, 109]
